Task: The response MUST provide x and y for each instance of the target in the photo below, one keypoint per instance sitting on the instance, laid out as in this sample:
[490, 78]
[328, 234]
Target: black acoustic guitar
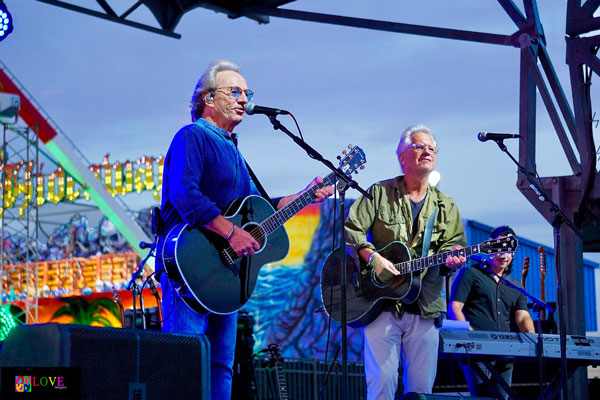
[212, 277]
[364, 299]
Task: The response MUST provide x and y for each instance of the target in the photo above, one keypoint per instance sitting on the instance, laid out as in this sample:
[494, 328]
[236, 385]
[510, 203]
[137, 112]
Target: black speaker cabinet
[435, 396]
[167, 365]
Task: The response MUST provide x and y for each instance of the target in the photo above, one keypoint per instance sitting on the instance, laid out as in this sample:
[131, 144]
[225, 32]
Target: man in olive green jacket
[400, 210]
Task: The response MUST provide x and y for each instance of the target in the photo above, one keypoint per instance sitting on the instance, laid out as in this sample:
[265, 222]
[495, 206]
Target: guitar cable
[160, 304]
[151, 276]
[466, 346]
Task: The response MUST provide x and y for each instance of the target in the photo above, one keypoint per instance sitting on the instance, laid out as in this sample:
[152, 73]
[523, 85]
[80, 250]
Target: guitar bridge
[228, 262]
[355, 282]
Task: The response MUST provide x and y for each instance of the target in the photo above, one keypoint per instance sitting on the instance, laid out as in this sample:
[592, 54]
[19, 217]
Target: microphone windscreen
[249, 108]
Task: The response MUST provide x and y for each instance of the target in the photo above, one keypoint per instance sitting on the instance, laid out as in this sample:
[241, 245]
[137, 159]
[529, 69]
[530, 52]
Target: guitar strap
[428, 232]
[259, 186]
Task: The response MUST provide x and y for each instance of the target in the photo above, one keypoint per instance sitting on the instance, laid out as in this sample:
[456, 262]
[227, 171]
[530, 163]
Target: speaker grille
[172, 366]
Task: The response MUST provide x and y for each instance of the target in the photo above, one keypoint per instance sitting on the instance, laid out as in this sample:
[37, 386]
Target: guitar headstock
[542, 252]
[506, 244]
[526, 266]
[525, 271]
[353, 160]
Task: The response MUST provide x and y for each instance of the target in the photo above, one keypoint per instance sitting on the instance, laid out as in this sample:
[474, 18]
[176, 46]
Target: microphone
[252, 108]
[485, 136]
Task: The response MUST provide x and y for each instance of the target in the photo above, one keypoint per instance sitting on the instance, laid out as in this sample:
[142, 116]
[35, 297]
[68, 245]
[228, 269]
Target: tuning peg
[339, 157]
[356, 172]
[344, 152]
[350, 146]
[362, 167]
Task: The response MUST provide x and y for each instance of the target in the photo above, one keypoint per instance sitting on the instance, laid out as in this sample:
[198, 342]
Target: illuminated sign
[21, 185]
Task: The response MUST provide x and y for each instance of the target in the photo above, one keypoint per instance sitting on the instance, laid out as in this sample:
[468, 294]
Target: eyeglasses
[235, 92]
[420, 147]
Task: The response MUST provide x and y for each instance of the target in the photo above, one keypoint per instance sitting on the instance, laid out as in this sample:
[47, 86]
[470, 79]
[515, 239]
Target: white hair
[405, 141]
[208, 83]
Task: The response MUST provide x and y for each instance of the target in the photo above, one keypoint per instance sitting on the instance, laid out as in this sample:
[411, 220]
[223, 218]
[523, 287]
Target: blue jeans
[220, 329]
[479, 388]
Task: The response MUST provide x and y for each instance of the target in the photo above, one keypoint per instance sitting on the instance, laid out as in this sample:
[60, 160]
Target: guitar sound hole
[257, 233]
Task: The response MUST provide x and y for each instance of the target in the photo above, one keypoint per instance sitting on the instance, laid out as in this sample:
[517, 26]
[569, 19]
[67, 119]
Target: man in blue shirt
[204, 172]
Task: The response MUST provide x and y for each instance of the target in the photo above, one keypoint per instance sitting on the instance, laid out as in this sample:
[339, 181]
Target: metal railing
[304, 378]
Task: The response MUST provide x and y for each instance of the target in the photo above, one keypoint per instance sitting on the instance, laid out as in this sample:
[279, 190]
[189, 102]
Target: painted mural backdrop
[287, 305]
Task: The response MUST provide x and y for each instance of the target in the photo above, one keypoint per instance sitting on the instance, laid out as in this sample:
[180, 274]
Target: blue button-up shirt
[203, 173]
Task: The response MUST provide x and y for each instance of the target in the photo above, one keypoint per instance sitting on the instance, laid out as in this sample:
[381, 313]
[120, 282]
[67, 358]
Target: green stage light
[7, 321]
[6, 23]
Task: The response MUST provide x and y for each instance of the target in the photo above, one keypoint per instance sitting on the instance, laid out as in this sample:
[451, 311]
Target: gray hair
[405, 141]
[208, 83]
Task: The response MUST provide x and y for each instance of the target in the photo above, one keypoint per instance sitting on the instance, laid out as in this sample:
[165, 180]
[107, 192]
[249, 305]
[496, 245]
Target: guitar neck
[543, 278]
[281, 384]
[278, 218]
[419, 264]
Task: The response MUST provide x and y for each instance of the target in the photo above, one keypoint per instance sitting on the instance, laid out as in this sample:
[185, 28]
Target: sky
[117, 90]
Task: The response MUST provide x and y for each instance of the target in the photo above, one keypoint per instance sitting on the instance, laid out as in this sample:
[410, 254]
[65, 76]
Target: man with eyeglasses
[406, 209]
[203, 173]
[482, 298]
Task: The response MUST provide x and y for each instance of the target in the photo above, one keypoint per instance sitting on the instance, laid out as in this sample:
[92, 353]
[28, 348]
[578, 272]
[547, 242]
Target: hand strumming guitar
[242, 242]
[385, 271]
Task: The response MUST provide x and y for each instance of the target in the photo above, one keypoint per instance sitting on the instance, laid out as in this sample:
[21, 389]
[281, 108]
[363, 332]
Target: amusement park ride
[42, 258]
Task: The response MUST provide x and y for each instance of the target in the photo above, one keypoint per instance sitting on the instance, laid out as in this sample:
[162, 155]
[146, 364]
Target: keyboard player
[480, 297]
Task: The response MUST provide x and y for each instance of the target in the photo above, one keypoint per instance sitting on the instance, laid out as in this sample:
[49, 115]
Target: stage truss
[20, 146]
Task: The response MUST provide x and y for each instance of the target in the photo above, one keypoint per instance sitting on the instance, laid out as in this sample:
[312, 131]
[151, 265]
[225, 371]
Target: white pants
[411, 339]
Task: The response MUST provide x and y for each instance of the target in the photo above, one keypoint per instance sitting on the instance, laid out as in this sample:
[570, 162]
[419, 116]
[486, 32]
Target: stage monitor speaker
[169, 365]
[435, 396]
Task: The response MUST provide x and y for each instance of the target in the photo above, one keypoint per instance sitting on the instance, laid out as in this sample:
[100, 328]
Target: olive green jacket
[388, 217]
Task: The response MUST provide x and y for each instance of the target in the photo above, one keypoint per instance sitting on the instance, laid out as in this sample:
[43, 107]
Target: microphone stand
[344, 182]
[559, 218]
[135, 290]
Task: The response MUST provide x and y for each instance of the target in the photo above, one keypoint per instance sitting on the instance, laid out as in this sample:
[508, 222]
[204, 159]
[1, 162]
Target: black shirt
[489, 306]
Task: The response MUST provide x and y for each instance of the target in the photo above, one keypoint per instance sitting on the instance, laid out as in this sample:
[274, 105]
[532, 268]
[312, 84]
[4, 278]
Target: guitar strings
[258, 232]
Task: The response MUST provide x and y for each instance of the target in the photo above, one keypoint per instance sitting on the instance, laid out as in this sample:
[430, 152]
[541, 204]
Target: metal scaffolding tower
[19, 165]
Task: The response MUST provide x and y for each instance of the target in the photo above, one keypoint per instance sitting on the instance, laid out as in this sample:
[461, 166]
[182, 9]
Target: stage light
[434, 178]
[6, 23]
[7, 321]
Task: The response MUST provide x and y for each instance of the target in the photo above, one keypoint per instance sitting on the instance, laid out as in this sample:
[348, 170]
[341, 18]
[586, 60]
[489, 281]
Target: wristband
[370, 258]
[231, 233]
